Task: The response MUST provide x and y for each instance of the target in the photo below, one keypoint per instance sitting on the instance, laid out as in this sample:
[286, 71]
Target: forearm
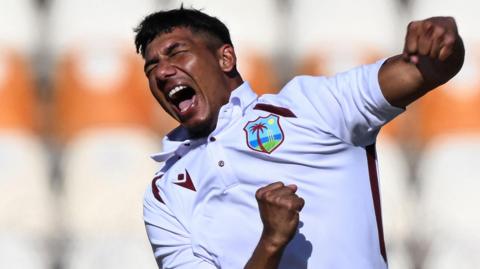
[266, 255]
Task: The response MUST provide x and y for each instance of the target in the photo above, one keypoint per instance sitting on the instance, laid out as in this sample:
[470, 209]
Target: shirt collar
[177, 142]
[243, 96]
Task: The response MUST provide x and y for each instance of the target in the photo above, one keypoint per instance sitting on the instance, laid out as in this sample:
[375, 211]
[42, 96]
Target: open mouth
[182, 97]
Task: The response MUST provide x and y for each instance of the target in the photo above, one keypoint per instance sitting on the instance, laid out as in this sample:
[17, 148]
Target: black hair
[165, 21]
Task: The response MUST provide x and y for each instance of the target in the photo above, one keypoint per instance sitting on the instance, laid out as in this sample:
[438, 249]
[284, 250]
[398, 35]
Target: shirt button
[213, 139]
[221, 163]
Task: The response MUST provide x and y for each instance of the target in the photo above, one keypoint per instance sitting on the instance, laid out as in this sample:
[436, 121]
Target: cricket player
[274, 181]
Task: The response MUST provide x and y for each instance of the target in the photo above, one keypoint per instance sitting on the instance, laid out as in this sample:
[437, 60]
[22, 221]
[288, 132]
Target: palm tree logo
[258, 128]
[264, 134]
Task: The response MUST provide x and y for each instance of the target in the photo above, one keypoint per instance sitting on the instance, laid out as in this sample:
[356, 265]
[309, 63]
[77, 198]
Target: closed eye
[148, 68]
[173, 50]
[177, 52]
[149, 65]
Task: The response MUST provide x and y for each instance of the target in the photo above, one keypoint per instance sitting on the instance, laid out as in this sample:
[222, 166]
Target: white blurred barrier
[105, 174]
[449, 174]
[110, 252]
[341, 34]
[26, 218]
[19, 25]
[96, 22]
[20, 252]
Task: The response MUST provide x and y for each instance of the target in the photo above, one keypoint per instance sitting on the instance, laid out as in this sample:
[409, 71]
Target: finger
[425, 38]
[437, 41]
[411, 39]
[293, 187]
[293, 203]
[299, 203]
[278, 196]
[289, 200]
[435, 49]
[261, 191]
[447, 48]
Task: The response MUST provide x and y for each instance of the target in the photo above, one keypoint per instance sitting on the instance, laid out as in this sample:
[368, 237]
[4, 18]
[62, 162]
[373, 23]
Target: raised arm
[279, 210]
[432, 55]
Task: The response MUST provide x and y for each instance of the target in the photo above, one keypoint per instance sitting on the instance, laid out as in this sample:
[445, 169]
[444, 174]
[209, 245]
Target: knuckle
[270, 197]
[277, 200]
[302, 202]
[450, 19]
[259, 194]
[412, 26]
[427, 24]
[439, 32]
[277, 184]
[296, 203]
[290, 205]
[449, 40]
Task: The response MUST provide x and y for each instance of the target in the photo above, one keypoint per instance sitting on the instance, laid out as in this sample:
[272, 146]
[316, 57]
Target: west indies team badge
[264, 134]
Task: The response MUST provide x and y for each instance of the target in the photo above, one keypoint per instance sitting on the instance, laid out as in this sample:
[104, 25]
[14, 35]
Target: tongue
[185, 104]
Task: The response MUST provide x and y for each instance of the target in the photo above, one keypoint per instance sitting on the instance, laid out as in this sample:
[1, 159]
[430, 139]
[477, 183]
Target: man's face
[187, 78]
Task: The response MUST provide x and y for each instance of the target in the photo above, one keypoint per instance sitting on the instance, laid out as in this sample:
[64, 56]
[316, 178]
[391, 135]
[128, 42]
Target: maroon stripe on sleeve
[156, 192]
[372, 171]
[281, 111]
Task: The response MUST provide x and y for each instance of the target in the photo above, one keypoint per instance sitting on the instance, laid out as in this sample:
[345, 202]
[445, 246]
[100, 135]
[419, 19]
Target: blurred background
[77, 123]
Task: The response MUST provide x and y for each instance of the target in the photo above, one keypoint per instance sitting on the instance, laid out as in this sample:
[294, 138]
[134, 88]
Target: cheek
[154, 90]
[205, 70]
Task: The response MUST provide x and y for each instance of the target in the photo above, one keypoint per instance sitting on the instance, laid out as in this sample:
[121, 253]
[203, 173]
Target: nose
[164, 70]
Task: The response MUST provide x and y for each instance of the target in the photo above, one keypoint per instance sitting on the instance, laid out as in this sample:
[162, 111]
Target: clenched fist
[279, 210]
[434, 37]
[433, 53]
[434, 45]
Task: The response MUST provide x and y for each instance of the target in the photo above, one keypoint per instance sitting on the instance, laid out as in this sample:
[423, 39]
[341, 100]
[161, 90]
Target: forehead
[181, 35]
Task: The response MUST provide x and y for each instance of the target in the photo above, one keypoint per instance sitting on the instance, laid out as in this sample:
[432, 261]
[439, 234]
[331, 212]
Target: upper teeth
[175, 90]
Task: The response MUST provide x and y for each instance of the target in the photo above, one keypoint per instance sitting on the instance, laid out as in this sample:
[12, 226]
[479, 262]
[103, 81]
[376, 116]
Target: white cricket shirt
[318, 133]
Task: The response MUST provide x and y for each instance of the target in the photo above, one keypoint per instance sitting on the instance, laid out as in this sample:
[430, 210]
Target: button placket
[224, 170]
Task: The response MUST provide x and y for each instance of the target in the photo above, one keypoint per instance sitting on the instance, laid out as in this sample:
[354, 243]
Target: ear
[227, 58]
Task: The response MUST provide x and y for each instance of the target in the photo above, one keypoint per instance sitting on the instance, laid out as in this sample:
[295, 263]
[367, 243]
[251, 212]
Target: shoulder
[296, 88]
[299, 94]
[303, 82]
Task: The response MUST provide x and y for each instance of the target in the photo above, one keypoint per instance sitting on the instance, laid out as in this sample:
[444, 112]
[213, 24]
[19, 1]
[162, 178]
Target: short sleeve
[170, 241]
[349, 105]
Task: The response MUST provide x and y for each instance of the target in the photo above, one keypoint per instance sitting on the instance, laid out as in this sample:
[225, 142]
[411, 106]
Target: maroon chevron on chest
[184, 180]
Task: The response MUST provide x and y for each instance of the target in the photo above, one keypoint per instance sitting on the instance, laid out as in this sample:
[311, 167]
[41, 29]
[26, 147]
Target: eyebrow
[172, 47]
[166, 51]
